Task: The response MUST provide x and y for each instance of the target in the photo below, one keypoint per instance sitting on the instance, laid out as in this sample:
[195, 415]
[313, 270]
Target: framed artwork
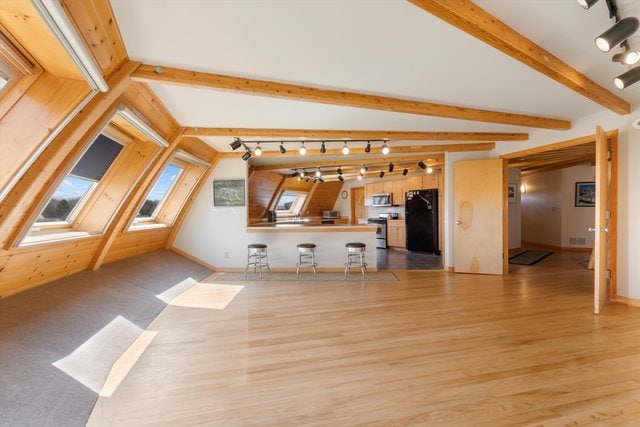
[585, 194]
[511, 193]
[228, 193]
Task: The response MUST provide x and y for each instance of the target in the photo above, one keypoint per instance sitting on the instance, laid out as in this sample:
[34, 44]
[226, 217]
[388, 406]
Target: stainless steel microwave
[382, 200]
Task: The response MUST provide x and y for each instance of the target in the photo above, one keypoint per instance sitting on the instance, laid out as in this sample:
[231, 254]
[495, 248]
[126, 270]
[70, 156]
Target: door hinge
[608, 214]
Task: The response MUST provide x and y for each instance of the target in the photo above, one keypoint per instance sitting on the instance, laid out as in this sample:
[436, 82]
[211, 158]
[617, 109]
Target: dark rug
[529, 257]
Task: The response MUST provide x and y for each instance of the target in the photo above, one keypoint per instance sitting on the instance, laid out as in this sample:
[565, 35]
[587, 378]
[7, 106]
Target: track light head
[306, 179]
[381, 174]
[367, 149]
[321, 181]
[628, 57]
[322, 148]
[405, 171]
[340, 178]
[625, 80]
[236, 144]
[246, 156]
[345, 149]
[339, 170]
[302, 150]
[622, 30]
[258, 150]
[422, 165]
[586, 4]
[385, 149]
[302, 173]
[318, 173]
[363, 169]
[282, 149]
[294, 174]
[429, 169]
[359, 177]
[390, 167]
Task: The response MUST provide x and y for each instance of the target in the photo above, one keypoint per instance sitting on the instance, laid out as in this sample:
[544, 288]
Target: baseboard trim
[558, 248]
[631, 302]
[193, 258]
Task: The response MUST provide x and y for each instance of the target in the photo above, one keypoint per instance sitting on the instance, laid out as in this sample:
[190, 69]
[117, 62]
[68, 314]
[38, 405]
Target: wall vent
[578, 241]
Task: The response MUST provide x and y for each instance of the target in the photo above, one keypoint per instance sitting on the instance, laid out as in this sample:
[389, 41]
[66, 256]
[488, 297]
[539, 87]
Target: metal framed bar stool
[306, 257]
[355, 258]
[257, 257]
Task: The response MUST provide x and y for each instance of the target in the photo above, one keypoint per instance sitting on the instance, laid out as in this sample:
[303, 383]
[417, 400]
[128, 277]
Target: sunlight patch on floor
[207, 295]
[176, 290]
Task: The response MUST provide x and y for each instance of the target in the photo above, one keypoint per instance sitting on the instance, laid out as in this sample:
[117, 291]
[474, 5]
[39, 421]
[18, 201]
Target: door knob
[605, 229]
[458, 222]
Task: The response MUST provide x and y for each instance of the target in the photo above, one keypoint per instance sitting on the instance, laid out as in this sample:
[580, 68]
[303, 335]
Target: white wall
[576, 220]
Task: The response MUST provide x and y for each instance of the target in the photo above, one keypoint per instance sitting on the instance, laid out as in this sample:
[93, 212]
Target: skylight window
[83, 178]
[159, 192]
[290, 202]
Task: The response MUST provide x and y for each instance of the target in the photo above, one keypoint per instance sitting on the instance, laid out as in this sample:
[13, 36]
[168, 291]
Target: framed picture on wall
[511, 193]
[228, 193]
[585, 194]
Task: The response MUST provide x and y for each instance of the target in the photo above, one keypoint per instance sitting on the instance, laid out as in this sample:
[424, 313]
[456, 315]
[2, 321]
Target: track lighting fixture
[422, 165]
[236, 144]
[302, 174]
[340, 178]
[246, 156]
[282, 149]
[299, 179]
[306, 179]
[363, 169]
[321, 181]
[627, 79]
[586, 4]
[381, 174]
[303, 149]
[405, 171]
[429, 169]
[339, 170]
[628, 56]
[345, 149]
[390, 167]
[318, 173]
[258, 150]
[385, 149]
[367, 149]
[622, 30]
[359, 177]
[295, 173]
[322, 148]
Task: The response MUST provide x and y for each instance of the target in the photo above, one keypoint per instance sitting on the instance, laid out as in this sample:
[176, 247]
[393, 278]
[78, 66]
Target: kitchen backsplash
[373, 212]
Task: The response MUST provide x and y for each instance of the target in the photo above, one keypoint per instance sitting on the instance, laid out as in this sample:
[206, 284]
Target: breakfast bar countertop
[309, 227]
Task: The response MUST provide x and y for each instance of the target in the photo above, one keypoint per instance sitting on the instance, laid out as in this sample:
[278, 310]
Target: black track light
[322, 148]
[294, 174]
[339, 170]
[622, 30]
[586, 4]
[321, 181]
[405, 171]
[367, 149]
[390, 167]
[363, 169]
[422, 165]
[340, 178]
[381, 174]
[307, 179]
[246, 156]
[627, 79]
[236, 144]
[282, 149]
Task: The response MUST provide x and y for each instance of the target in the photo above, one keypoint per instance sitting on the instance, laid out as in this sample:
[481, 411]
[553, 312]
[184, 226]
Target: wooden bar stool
[306, 257]
[355, 257]
[257, 258]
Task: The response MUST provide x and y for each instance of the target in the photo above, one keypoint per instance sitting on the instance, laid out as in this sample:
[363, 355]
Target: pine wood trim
[552, 147]
[356, 134]
[613, 220]
[193, 258]
[129, 208]
[472, 19]
[148, 73]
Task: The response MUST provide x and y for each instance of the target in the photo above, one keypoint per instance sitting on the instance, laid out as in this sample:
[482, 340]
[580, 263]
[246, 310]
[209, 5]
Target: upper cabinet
[399, 187]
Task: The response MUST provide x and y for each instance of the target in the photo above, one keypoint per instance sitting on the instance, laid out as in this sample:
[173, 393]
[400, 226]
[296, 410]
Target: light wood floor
[433, 348]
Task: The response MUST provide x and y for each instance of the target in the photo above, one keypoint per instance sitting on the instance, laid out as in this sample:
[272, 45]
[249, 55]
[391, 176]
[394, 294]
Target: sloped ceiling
[387, 48]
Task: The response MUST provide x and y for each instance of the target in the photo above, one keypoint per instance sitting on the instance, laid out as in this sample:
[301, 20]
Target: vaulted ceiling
[386, 48]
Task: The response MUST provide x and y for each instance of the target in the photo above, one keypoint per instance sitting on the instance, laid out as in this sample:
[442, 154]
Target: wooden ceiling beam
[472, 19]
[435, 158]
[177, 76]
[356, 134]
[556, 146]
[405, 149]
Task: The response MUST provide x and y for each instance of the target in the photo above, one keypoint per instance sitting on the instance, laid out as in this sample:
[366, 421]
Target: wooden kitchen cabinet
[396, 237]
[430, 181]
[398, 189]
[368, 194]
[414, 183]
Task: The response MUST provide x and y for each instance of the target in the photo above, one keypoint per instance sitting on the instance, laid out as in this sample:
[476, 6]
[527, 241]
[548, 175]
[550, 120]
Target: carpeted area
[529, 257]
[47, 324]
[355, 275]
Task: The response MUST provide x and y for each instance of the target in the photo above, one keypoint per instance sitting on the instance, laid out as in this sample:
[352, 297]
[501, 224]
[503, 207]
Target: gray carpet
[355, 275]
[45, 324]
[529, 257]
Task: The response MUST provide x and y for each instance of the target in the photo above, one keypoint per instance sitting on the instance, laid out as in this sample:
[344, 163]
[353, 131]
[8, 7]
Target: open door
[480, 234]
[601, 223]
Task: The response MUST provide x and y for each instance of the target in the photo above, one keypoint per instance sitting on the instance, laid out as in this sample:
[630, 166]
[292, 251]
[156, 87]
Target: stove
[381, 232]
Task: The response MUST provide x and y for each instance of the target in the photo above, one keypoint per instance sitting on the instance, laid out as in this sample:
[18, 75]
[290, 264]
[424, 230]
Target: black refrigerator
[421, 220]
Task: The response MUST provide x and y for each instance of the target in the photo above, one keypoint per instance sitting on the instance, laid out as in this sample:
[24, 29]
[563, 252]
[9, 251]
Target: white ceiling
[386, 47]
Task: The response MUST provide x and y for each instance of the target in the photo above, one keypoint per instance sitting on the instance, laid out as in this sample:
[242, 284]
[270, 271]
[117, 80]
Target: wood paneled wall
[132, 243]
[263, 186]
[323, 198]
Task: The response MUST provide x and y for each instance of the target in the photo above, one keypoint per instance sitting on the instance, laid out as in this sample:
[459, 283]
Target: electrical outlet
[226, 254]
